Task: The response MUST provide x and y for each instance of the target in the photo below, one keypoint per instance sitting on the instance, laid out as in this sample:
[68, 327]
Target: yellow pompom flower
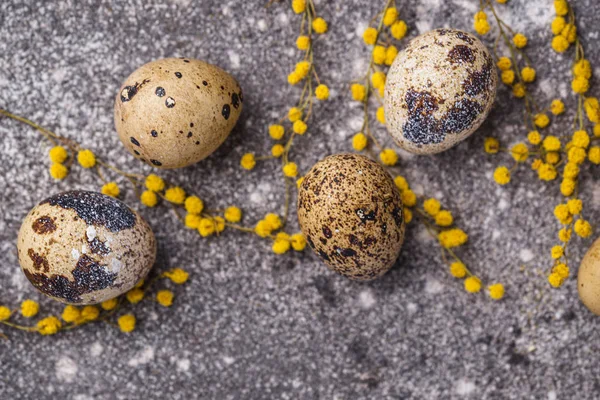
[520, 40]
[458, 270]
[233, 214]
[557, 107]
[534, 137]
[219, 224]
[401, 183]
[194, 205]
[149, 198]
[408, 215]
[277, 150]
[409, 198]
[359, 92]
[594, 155]
[49, 326]
[175, 195]
[582, 69]
[576, 155]
[444, 218]
[561, 270]
[388, 157]
[298, 241]
[575, 206]
[551, 143]
[90, 313]
[552, 157]
[207, 227]
[508, 77]
[135, 295]
[319, 25]
[519, 90]
[561, 7]
[192, 221]
[496, 291]
[592, 109]
[381, 115]
[281, 244]
[71, 314]
[29, 308]
[274, 221]
[555, 280]
[561, 212]
[547, 172]
[294, 114]
[597, 130]
[109, 305]
[155, 183]
[399, 29]
[432, 206]
[558, 24]
[502, 175]
[481, 26]
[302, 69]
[322, 92]
[165, 298]
[378, 79]
[557, 252]
[58, 171]
[564, 235]
[472, 284]
[580, 85]
[379, 55]
[359, 141]
[571, 170]
[560, 44]
[177, 275]
[519, 152]
[390, 55]
[303, 42]
[294, 78]
[299, 6]
[370, 36]
[390, 16]
[276, 131]
[86, 158]
[504, 63]
[581, 139]
[569, 32]
[491, 145]
[248, 161]
[536, 164]
[583, 228]
[290, 170]
[263, 228]
[300, 127]
[528, 74]
[126, 323]
[4, 313]
[567, 187]
[58, 154]
[111, 189]
[452, 238]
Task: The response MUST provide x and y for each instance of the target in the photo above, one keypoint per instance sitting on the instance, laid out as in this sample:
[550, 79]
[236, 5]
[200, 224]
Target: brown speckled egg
[588, 279]
[83, 247]
[174, 112]
[439, 90]
[351, 214]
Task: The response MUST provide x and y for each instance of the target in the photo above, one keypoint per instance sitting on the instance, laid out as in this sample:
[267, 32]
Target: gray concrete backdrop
[253, 325]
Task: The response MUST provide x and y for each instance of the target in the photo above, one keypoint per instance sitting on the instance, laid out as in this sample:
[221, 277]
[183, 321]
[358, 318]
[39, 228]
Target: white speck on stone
[464, 387]
[423, 235]
[234, 59]
[144, 356]
[418, 189]
[552, 395]
[411, 308]
[90, 232]
[59, 74]
[366, 299]
[503, 204]
[360, 29]
[262, 25]
[96, 349]
[228, 360]
[66, 369]
[526, 255]
[75, 254]
[596, 196]
[433, 286]
[183, 365]
[282, 18]
[496, 234]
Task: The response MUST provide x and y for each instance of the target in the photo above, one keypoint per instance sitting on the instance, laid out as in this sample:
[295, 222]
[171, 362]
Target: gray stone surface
[253, 325]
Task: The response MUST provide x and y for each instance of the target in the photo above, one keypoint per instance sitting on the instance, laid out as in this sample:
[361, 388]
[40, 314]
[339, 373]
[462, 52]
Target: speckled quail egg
[174, 112]
[588, 278]
[439, 90]
[83, 247]
[352, 216]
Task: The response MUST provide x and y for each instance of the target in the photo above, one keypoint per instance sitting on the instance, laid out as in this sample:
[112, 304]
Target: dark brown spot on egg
[156, 162]
[226, 111]
[39, 261]
[160, 92]
[153, 133]
[479, 81]
[235, 101]
[464, 36]
[205, 83]
[43, 225]
[178, 74]
[461, 54]
[134, 141]
[327, 232]
[170, 102]
[127, 93]
[99, 247]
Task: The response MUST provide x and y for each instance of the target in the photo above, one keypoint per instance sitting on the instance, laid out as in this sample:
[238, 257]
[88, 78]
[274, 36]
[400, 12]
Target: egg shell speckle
[439, 90]
[174, 112]
[588, 278]
[83, 247]
[352, 216]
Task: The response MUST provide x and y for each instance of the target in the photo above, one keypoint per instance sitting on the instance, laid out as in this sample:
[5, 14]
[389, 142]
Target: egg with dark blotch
[351, 214]
[83, 247]
[588, 278]
[174, 112]
[439, 90]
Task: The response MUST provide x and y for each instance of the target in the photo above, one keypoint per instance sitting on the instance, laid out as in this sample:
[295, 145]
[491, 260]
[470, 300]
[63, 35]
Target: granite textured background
[253, 325]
